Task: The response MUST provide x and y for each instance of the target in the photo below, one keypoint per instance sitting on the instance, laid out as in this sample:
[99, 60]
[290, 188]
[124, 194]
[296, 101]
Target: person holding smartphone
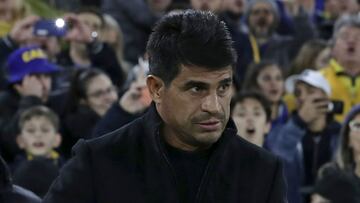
[309, 138]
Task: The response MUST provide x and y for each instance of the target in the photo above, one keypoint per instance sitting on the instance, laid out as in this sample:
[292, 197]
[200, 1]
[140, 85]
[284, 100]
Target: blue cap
[28, 60]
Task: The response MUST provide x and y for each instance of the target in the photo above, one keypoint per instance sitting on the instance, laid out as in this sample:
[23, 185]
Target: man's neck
[350, 68]
[318, 124]
[79, 57]
[175, 142]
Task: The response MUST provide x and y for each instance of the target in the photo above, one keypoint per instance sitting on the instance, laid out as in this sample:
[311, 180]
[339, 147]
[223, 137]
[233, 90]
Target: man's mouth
[262, 22]
[210, 125]
[351, 50]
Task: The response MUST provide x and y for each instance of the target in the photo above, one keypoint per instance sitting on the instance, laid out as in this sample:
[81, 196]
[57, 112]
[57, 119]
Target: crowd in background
[296, 85]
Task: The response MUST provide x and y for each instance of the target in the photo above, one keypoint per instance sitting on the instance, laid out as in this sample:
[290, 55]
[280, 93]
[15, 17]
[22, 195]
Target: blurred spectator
[310, 56]
[136, 20]
[309, 138]
[159, 7]
[215, 6]
[332, 11]
[134, 101]
[10, 12]
[315, 55]
[343, 71]
[112, 35]
[339, 181]
[91, 94]
[267, 78]
[22, 35]
[10, 193]
[86, 48]
[39, 136]
[251, 114]
[29, 84]
[233, 11]
[262, 42]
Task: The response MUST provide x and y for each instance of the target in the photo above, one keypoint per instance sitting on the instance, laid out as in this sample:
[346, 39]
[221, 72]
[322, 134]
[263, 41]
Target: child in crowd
[252, 116]
[38, 137]
[29, 79]
[267, 78]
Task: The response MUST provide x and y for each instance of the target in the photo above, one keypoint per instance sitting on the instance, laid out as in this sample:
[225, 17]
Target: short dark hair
[92, 10]
[39, 111]
[191, 37]
[241, 96]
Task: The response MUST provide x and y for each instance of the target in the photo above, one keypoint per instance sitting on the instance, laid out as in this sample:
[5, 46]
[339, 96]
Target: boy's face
[38, 136]
[250, 119]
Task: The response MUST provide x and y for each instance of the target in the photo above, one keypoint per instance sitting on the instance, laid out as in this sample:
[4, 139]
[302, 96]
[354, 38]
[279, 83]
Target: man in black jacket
[185, 148]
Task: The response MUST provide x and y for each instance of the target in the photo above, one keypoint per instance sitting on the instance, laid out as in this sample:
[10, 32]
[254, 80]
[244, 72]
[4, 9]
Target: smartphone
[50, 27]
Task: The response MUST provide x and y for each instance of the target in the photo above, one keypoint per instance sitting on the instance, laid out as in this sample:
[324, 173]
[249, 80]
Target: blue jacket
[289, 147]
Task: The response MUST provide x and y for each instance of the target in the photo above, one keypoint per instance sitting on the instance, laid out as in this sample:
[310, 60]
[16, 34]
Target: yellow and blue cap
[28, 60]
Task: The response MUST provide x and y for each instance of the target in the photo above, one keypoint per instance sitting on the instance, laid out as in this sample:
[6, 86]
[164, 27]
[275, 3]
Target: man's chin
[208, 138]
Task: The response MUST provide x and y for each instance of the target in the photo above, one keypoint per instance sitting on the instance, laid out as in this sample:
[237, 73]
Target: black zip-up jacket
[130, 165]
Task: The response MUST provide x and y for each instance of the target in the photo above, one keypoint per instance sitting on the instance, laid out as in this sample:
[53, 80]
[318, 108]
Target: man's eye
[224, 87]
[195, 89]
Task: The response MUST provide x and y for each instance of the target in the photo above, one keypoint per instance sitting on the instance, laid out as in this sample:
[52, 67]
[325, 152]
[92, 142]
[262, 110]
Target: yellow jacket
[343, 87]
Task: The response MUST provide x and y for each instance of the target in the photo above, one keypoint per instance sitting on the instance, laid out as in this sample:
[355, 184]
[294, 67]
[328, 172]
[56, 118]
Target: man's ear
[20, 142]
[57, 140]
[156, 87]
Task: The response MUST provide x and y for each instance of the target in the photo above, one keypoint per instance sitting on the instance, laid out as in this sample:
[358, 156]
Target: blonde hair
[118, 46]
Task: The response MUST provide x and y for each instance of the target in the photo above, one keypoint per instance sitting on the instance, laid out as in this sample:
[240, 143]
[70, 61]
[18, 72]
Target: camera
[336, 107]
[50, 27]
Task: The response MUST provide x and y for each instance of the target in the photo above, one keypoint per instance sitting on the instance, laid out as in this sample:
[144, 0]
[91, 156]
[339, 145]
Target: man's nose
[211, 103]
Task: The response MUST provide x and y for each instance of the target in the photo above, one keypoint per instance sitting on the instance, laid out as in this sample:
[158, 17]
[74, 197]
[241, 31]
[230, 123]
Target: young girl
[267, 78]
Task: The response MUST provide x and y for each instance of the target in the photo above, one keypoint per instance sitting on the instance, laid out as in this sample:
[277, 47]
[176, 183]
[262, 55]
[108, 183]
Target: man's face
[347, 46]
[261, 19]
[250, 119]
[38, 136]
[91, 20]
[195, 106]
[94, 23]
[207, 5]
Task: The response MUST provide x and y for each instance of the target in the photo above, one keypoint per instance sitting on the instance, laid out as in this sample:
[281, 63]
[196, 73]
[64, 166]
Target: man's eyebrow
[193, 83]
[226, 81]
